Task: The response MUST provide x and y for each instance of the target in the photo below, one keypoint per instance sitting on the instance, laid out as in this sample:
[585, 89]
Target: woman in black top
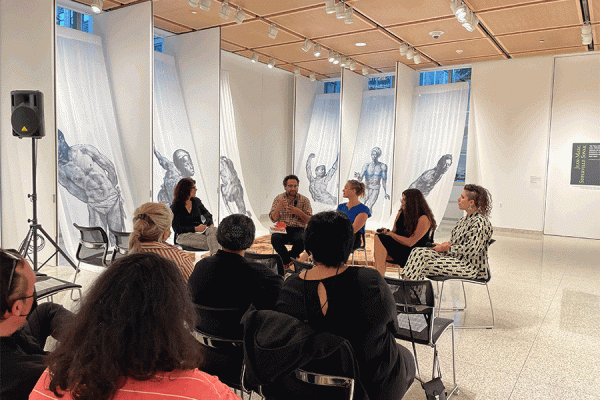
[351, 302]
[192, 222]
[414, 227]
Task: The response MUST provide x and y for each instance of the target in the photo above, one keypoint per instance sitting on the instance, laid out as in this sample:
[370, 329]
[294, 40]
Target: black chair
[483, 281]
[220, 335]
[415, 303]
[93, 246]
[362, 247]
[271, 261]
[121, 244]
[47, 286]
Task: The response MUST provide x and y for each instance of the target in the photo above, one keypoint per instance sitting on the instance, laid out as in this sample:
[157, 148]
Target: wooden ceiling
[508, 29]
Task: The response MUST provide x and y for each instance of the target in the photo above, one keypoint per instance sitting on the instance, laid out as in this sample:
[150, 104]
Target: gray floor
[545, 345]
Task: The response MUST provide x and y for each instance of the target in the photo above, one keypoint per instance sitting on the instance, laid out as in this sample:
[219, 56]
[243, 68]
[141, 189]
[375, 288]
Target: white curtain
[430, 157]
[175, 155]
[319, 154]
[373, 157]
[93, 186]
[233, 198]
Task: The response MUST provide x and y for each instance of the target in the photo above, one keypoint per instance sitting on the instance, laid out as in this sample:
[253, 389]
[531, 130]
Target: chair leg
[74, 278]
[491, 306]
[464, 294]
[455, 386]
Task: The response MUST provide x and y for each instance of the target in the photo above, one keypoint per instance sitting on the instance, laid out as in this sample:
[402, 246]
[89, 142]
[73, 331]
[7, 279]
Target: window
[332, 87]
[159, 44]
[381, 82]
[74, 20]
[452, 76]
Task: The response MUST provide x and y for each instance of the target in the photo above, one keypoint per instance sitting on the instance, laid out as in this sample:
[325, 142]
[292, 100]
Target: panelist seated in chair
[151, 229]
[294, 210]
[227, 279]
[466, 254]
[24, 327]
[132, 339]
[356, 211]
[352, 302]
[414, 227]
[192, 222]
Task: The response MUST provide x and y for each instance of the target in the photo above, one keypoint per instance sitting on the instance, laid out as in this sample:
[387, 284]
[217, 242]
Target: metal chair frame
[59, 286]
[326, 380]
[363, 247]
[90, 245]
[257, 257]
[119, 248]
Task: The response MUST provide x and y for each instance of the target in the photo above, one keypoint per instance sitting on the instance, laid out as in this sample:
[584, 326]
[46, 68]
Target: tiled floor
[546, 343]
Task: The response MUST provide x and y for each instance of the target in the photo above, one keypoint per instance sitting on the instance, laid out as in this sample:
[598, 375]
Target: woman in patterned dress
[465, 255]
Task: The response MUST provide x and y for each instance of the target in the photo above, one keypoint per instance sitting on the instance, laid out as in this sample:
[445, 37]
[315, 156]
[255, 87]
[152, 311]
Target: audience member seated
[352, 302]
[294, 210]
[151, 229]
[466, 254]
[24, 327]
[413, 227]
[355, 210]
[227, 279]
[132, 337]
[192, 222]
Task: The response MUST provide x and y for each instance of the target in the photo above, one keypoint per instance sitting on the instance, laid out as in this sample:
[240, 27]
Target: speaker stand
[34, 227]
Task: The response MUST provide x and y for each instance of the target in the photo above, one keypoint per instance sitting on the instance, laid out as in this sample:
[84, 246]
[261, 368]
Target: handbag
[434, 389]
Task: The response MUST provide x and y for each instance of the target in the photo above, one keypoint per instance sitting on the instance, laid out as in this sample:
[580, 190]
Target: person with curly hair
[466, 254]
[132, 338]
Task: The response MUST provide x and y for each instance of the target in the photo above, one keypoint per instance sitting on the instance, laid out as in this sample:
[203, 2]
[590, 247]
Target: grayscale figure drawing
[429, 178]
[375, 175]
[92, 178]
[181, 167]
[231, 187]
[318, 183]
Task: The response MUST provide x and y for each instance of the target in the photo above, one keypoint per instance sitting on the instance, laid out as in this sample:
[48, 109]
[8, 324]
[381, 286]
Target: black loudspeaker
[27, 119]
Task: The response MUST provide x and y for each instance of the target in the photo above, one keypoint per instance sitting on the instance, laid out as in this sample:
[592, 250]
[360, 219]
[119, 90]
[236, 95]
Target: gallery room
[396, 94]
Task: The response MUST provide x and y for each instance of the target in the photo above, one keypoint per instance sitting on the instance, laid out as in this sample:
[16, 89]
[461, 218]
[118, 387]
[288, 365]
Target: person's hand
[295, 210]
[191, 256]
[200, 228]
[442, 247]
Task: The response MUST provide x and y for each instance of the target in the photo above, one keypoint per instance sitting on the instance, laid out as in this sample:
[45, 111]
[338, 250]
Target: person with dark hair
[151, 229]
[414, 227]
[352, 302]
[192, 222]
[356, 211]
[466, 254]
[294, 210]
[181, 167]
[132, 336]
[24, 327]
[227, 279]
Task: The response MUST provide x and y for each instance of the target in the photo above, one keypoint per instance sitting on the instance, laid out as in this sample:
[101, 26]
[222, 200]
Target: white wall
[198, 59]
[572, 210]
[127, 36]
[304, 99]
[26, 63]
[508, 137]
[353, 86]
[264, 115]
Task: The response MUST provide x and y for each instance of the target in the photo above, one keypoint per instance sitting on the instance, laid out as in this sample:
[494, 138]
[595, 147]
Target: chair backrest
[93, 245]
[300, 265]
[271, 261]
[415, 304]
[220, 322]
[121, 244]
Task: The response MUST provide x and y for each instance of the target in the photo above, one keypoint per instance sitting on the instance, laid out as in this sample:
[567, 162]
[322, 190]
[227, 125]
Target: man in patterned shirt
[295, 210]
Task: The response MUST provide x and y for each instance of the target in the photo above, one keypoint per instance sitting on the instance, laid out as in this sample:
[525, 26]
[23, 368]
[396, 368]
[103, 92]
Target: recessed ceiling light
[360, 44]
[194, 12]
[541, 40]
[459, 51]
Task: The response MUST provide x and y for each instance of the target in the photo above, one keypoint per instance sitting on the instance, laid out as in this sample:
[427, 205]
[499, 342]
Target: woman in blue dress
[356, 211]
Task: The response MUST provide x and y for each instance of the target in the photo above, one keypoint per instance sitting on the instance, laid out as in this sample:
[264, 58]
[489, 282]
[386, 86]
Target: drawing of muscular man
[375, 175]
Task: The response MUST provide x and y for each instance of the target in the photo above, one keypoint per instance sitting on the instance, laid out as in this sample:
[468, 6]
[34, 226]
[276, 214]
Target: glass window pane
[159, 44]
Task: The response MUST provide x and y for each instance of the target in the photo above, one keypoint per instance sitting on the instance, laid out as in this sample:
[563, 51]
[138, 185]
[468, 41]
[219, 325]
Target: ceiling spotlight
[271, 62]
[329, 6]
[471, 21]
[306, 46]
[352, 65]
[436, 34]
[254, 57]
[365, 70]
[417, 58]
[349, 19]
[459, 9]
[96, 6]
[193, 3]
[337, 59]
[239, 16]
[410, 53]
[586, 33]
[225, 10]
[296, 71]
[205, 5]
[403, 48]
[312, 77]
[331, 56]
[317, 50]
[340, 10]
[273, 31]
[343, 61]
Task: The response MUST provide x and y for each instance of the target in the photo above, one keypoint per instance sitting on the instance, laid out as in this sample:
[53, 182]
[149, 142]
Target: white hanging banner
[232, 196]
[174, 149]
[430, 157]
[318, 162]
[372, 162]
[94, 189]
